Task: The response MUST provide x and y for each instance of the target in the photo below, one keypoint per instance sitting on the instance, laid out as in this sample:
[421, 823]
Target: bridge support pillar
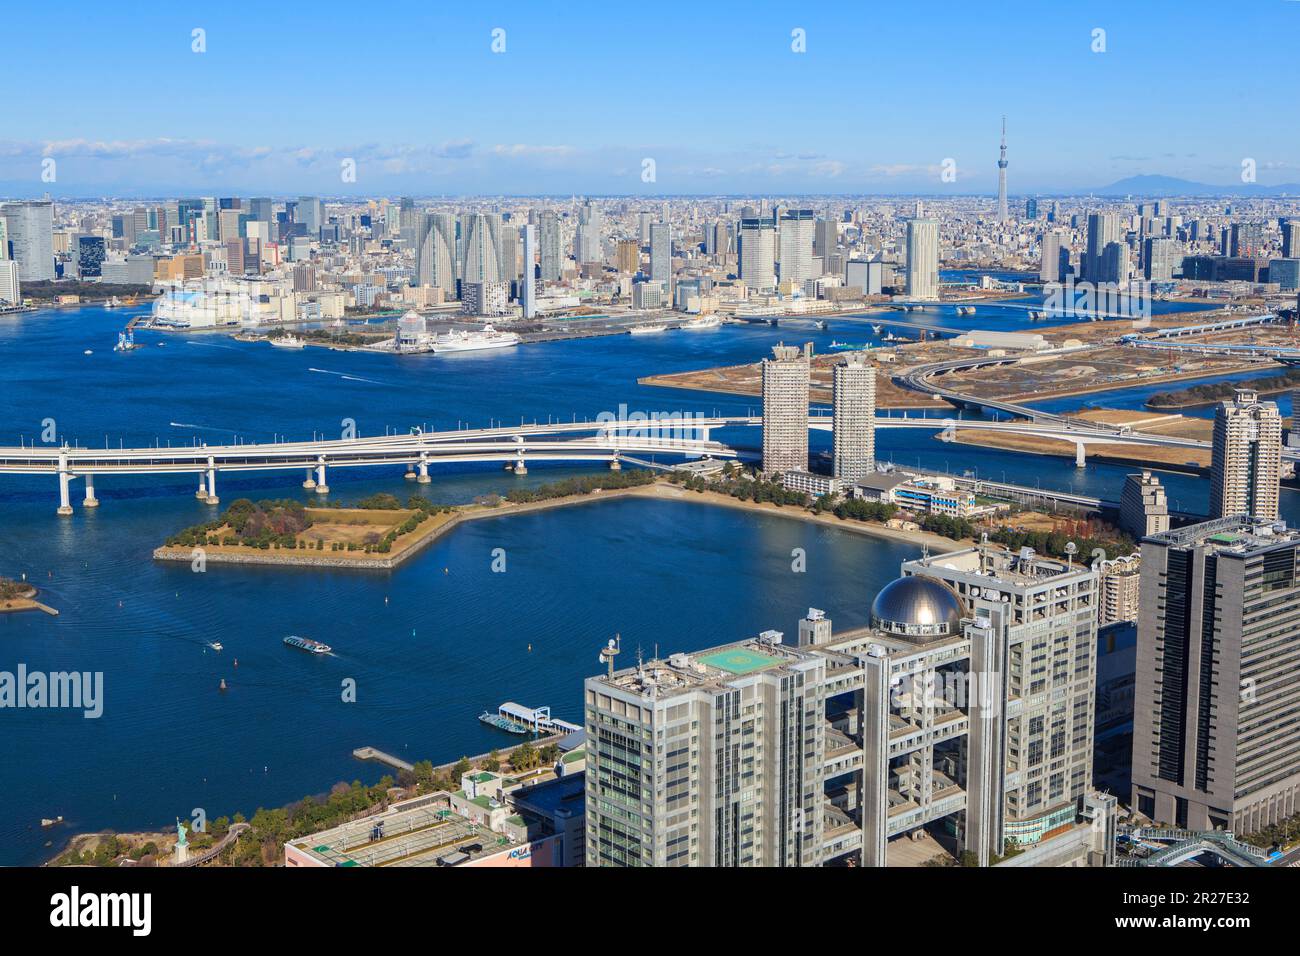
[321, 487]
[212, 498]
[202, 493]
[91, 501]
[1080, 456]
[410, 472]
[309, 482]
[65, 504]
[615, 465]
[520, 467]
[424, 478]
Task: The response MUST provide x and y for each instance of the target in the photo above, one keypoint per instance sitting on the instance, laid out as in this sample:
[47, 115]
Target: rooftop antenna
[609, 652]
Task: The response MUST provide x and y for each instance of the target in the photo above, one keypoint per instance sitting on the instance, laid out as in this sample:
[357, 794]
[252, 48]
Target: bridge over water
[609, 441]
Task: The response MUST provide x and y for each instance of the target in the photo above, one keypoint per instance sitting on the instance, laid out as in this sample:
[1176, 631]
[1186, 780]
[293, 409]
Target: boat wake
[346, 377]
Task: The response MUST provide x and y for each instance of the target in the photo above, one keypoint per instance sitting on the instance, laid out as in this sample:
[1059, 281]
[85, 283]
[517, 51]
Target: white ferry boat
[288, 342]
[459, 340]
[647, 329]
[703, 322]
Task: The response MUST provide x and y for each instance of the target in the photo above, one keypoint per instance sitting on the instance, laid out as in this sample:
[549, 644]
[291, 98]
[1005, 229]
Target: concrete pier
[615, 465]
[309, 483]
[91, 501]
[520, 467]
[322, 487]
[65, 504]
[424, 478]
[212, 498]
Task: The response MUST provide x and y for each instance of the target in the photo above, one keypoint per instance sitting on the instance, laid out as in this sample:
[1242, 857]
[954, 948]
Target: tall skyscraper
[1247, 457]
[757, 238]
[481, 258]
[661, 253]
[785, 410]
[1158, 258]
[587, 239]
[854, 405]
[1291, 239]
[796, 245]
[1049, 270]
[550, 254]
[436, 252]
[527, 289]
[825, 238]
[309, 213]
[1002, 175]
[1216, 723]
[30, 226]
[923, 259]
[1103, 229]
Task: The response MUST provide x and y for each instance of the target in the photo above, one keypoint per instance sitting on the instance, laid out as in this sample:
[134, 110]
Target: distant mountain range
[1173, 186]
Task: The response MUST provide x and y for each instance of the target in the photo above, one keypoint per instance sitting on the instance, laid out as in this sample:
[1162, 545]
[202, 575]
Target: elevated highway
[613, 440]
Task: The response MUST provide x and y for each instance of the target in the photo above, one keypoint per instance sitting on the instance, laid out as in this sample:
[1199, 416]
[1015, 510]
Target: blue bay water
[429, 648]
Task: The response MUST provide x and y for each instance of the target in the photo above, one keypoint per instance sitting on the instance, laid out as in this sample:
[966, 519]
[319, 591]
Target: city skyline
[252, 114]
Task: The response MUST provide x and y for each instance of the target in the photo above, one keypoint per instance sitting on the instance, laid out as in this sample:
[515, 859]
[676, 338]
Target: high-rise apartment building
[30, 228]
[661, 252]
[551, 256]
[795, 241]
[1103, 229]
[1143, 506]
[757, 238]
[854, 410]
[1158, 259]
[627, 256]
[785, 410]
[436, 252]
[527, 286]
[1049, 270]
[923, 259]
[481, 257]
[1246, 460]
[1216, 735]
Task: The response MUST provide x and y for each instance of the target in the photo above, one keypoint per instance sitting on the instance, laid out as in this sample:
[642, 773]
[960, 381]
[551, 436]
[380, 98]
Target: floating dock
[370, 753]
[518, 719]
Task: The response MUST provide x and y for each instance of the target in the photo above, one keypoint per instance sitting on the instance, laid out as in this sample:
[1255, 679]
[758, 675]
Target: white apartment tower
[785, 409]
[757, 239]
[796, 245]
[1246, 461]
[923, 259]
[527, 288]
[854, 403]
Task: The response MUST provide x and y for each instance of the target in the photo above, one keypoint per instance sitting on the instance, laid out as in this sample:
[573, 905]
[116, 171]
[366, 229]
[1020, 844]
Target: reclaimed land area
[1099, 364]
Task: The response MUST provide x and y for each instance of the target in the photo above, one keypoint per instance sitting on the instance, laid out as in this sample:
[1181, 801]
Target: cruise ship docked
[459, 340]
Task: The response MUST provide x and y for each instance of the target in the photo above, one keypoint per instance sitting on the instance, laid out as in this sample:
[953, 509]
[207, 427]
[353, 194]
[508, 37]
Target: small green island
[376, 532]
[20, 596]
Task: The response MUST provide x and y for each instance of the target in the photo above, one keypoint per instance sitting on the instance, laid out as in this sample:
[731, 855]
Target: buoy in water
[223, 684]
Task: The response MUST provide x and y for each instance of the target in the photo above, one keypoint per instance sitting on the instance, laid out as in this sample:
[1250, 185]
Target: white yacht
[460, 340]
[288, 342]
[647, 329]
[703, 322]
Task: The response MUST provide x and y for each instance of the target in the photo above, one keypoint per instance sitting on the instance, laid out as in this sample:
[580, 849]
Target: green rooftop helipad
[738, 660]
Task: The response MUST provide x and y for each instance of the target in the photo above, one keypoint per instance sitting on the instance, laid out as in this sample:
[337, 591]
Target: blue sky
[584, 92]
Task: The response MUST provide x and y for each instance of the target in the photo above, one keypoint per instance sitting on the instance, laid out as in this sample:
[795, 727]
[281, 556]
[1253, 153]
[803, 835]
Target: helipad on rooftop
[738, 660]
